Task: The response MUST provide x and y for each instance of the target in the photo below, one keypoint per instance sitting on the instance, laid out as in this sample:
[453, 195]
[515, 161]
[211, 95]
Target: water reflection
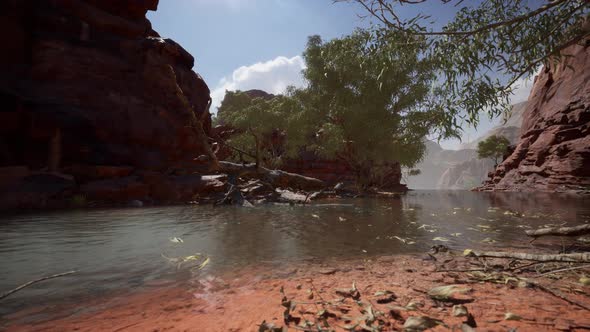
[122, 248]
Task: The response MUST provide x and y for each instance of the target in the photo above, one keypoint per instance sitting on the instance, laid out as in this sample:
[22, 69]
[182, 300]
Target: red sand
[242, 299]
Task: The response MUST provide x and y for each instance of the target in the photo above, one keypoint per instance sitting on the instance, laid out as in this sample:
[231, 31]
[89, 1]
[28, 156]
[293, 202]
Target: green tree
[363, 103]
[489, 45]
[493, 147]
[255, 119]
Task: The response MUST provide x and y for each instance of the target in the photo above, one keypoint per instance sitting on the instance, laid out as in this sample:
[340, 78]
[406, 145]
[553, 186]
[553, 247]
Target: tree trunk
[560, 231]
[258, 150]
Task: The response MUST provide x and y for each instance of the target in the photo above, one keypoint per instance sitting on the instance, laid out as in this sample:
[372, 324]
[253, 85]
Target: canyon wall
[95, 102]
[462, 169]
[553, 153]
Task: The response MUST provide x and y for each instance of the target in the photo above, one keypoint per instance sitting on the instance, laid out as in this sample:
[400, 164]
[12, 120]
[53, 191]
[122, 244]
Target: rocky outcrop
[333, 172]
[554, 149]
[89, 89]
[509, 129]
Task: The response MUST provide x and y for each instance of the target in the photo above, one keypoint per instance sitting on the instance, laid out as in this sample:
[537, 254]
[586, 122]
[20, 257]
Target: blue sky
[247, 44]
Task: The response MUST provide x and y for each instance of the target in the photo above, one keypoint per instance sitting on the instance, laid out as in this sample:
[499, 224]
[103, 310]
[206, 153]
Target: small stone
[459, 310]
[328, 271]
[524, 284]
[421, 323]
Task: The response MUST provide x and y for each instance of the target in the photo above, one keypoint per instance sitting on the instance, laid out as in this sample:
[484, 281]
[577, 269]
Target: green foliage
[364, 104]
[493, 147]
[486, 48]
[366, 91]
[255, 119]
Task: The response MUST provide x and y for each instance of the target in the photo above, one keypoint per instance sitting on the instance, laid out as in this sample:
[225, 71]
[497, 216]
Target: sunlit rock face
[553, 153]
[89, 82]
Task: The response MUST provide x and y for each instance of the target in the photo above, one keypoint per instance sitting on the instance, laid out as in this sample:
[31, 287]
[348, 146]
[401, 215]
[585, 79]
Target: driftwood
[560, 231]
[12, 291]
[583, 257]
[277, 178]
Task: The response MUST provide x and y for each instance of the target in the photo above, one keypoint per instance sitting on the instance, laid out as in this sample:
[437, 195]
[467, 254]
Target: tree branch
[12, 291]
[560, 231]
[398, 25]
[575, 258]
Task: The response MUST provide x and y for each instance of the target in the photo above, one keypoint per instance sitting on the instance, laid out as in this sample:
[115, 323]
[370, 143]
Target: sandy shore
[395, 288]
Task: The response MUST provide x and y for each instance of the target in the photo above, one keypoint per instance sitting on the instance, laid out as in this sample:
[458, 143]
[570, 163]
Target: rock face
[509, 129]
[89, 85]
[554, 149]
[333, 172]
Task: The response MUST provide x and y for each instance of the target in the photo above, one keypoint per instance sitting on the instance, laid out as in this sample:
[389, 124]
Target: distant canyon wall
[462, 169]
[553, 153]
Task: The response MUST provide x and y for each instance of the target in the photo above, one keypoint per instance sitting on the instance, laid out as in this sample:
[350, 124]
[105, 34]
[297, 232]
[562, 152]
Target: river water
[123, 249]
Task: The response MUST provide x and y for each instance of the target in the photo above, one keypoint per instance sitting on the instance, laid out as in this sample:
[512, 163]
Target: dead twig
[524, 266]
[12, 291]
[563, 270]
[560, 231]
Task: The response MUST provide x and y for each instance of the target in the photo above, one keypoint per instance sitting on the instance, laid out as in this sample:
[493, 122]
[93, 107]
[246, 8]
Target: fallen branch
[583, 257]
[34, 282]
[564, 270]
[277, 178]
[560, 231]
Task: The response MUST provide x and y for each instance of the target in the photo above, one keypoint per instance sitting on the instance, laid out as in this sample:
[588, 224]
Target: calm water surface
[123, 248]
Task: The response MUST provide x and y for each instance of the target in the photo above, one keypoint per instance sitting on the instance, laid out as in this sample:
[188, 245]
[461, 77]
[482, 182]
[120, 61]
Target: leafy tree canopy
[255, 119]
[493, 147]
[364, 104]
[366, 94]
[486, 48]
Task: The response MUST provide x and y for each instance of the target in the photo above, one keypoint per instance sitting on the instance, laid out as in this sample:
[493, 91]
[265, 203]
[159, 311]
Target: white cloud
[272, 76]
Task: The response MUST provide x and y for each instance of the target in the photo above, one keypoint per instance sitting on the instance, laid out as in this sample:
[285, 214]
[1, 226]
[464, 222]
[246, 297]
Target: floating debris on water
[176, 240]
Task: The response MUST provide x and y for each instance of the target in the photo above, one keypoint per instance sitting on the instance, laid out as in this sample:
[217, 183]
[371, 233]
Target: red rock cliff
[554, 149]
[89, 89]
